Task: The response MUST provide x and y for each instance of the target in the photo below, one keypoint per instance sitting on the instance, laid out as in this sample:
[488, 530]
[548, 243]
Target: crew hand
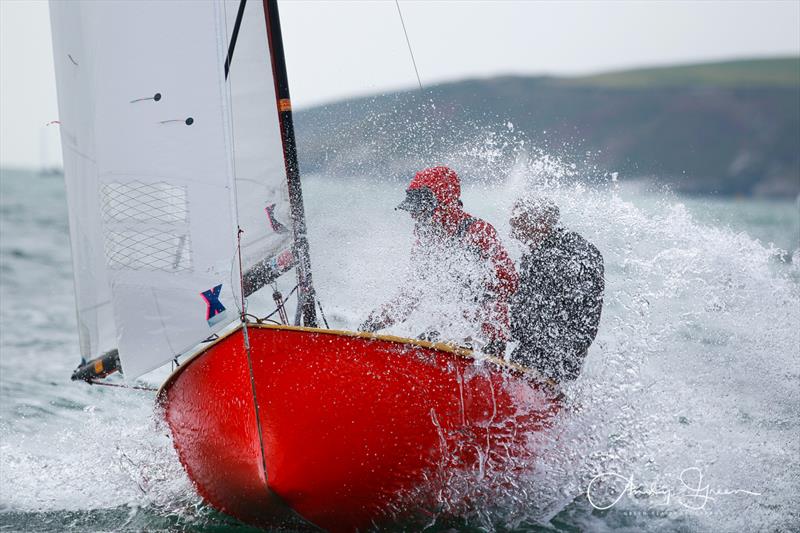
[371, 325]
[496, 348]
[430, 335]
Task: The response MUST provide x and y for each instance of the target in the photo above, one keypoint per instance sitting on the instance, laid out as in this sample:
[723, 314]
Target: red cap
[442, 181]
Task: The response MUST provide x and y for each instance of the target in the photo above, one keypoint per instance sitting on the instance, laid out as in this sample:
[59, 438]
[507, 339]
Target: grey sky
[337, 49]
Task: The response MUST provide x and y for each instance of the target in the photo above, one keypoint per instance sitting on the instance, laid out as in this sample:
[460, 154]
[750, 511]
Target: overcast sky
[337, 49]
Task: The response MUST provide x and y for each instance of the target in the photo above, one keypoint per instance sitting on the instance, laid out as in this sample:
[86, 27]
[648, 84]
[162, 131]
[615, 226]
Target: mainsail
[167, 164]
[262, 195]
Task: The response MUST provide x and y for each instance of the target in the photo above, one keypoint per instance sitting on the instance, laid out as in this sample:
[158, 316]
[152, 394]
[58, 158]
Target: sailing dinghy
[184, 199]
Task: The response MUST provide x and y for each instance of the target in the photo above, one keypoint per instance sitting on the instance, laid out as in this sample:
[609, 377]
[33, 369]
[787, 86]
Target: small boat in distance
[185, 199]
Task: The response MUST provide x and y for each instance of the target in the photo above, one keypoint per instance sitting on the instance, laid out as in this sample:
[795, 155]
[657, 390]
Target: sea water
[686, 416]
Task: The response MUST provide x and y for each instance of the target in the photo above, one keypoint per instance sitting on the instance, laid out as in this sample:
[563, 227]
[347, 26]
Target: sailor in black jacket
[556, 310]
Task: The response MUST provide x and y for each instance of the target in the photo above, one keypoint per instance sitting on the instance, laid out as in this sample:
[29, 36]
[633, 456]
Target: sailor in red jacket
[459, 270]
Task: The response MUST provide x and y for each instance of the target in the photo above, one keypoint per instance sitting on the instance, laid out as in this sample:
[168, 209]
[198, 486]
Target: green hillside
[778, 72]
[726, 128]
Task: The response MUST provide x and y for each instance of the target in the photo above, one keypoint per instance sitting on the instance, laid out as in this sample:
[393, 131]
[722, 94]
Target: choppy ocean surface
[690, 396]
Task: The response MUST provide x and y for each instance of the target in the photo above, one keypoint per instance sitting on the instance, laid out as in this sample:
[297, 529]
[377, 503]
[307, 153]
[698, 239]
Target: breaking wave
[687, 405]
[694, 370]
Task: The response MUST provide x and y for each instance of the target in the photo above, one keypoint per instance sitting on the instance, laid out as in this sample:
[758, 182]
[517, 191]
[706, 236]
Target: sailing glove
[371, 325]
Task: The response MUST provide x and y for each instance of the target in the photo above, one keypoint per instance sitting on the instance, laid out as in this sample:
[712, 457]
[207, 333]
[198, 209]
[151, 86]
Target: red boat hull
[346, 430]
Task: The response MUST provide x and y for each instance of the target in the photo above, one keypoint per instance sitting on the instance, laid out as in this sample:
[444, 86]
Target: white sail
[96, 327]
[147, 142]
[262, 194]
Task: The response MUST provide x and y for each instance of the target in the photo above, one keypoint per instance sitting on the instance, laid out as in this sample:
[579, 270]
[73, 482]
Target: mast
[306, 293]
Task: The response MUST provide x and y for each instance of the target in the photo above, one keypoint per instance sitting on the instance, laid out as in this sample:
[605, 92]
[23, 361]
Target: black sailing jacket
[556, 310]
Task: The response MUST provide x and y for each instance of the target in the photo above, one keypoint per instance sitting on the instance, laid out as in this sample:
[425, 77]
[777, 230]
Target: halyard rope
[408, 42]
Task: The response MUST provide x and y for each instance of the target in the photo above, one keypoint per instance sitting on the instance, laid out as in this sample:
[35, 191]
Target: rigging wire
[243, 315]
[267, 318]
[321, 312]
[278, 298]
[248, 353]
[408, 42]
[238, 252]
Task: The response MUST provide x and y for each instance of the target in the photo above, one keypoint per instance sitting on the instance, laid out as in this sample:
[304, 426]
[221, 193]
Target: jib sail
[172, 153]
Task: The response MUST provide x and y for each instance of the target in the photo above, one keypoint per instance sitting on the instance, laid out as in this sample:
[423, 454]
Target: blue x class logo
[215, 311]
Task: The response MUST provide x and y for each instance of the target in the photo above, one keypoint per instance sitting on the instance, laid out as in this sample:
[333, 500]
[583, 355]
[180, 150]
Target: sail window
[146, 226]
[136, 201]
[150, 249]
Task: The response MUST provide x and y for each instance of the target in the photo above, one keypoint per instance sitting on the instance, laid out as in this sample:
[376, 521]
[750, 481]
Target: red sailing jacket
[470, 233]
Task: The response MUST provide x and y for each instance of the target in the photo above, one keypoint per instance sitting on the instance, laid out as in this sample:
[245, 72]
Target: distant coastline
[728, 128]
